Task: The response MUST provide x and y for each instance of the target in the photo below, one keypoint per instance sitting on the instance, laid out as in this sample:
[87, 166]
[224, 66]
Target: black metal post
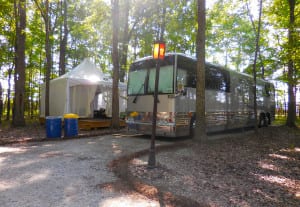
[152, 160]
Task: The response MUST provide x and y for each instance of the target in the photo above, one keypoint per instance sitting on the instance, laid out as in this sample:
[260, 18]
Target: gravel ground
[66, 173]
[241, 169]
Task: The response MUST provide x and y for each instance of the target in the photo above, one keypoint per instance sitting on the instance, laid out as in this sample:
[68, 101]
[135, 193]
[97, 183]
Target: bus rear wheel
[263, 122]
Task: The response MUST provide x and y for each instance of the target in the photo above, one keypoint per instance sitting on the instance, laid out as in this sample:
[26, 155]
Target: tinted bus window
[217, 79]
[186, 72]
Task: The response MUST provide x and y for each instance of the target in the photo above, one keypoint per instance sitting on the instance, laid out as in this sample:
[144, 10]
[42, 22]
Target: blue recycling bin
[53, 126]
[70, 125]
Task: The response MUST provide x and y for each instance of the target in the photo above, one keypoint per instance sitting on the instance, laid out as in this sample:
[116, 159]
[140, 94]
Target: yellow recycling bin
[70, 125]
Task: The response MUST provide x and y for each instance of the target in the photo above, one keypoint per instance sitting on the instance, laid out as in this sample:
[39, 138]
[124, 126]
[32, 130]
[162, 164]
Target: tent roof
[86, 71]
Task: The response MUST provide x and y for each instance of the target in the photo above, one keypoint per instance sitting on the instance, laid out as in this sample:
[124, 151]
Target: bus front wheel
[192, 126]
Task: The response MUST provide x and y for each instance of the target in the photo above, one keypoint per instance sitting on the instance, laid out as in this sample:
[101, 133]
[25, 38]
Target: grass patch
[281, 120]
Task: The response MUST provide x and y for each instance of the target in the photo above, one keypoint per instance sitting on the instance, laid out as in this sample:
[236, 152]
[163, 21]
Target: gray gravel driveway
[66, 173]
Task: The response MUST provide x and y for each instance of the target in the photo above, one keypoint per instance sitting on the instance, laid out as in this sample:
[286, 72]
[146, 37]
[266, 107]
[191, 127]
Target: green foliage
[278, 17]
[230, 34]
[90, 30]
[182, 28]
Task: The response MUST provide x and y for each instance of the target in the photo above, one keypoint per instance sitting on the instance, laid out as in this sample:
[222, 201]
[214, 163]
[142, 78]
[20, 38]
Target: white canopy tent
[81, 91]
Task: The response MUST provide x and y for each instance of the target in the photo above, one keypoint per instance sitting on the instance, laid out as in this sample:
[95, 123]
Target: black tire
[268, 118]
[262, 120]
[192, 128]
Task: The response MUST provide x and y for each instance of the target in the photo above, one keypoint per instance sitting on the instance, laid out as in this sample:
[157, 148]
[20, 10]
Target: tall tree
[115, 59]
[8, 107]
[291, 118]
[18, 109]
[125, 40]
[282, 16]
[200, 88]
[1, 102]
[63, 38]
[35, 42]
[45, 12]
[255, 61]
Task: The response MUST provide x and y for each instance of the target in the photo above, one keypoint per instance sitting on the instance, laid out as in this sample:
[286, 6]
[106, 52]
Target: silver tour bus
[228, 97]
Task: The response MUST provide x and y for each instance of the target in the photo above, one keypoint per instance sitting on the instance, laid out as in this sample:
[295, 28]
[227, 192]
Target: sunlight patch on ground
[1, 160]
[5, 185]
[116, 148]
[137, 161]
[39, 176]
[291, 185]
[48, 145]
[278, 180]
[125, 201]
[268, 166]
[19, 182]
[23, 164]
[283, 157]
[11, 149]
[265, 195]
[294, 149]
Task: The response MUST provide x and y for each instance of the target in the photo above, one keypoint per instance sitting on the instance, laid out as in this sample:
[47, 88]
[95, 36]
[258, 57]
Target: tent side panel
[82, 99]
[58, 97]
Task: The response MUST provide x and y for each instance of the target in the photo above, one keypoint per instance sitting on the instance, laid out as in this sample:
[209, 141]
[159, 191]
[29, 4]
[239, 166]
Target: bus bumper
[166, 130]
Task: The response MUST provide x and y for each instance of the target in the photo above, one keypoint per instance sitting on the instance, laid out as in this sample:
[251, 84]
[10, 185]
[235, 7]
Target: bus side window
[217, 79]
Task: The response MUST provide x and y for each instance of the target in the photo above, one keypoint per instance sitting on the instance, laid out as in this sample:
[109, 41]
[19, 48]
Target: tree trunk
[254, 66]
[291, 117]
[200, 134]
[125, 42]
[48, 58]
[115, 59]
[1, 102]
[8, 107]
[63, 40]
[18, 109]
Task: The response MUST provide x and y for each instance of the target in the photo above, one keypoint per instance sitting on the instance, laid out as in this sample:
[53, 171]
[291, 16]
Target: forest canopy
[60, 34]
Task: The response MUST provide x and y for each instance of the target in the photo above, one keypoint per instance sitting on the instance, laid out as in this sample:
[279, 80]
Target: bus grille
[182, 120]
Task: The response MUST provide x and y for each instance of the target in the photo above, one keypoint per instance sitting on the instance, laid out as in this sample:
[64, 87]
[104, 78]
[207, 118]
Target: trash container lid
[71, 116]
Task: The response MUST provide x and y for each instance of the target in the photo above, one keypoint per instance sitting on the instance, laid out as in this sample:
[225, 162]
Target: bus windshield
[165, 84]
[136, 85]
[142, 81]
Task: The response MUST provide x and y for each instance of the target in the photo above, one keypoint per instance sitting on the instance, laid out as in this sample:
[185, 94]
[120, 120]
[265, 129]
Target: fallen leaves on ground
[238, 170]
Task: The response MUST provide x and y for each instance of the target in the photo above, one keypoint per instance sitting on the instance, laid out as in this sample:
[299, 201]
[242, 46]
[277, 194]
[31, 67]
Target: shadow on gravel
[252, 168]
[129, 184]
